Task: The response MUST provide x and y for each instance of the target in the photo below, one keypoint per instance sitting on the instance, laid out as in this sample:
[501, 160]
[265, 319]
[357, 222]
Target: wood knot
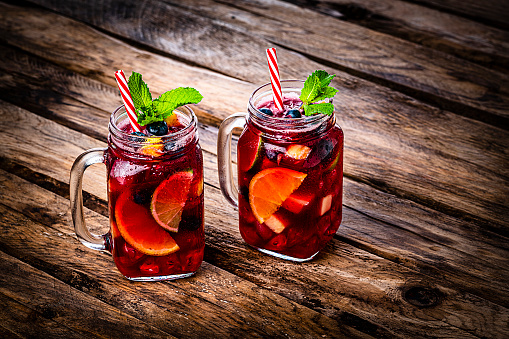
[422, 296]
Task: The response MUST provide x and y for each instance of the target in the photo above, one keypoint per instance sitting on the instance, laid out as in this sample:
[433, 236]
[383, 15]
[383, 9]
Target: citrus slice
[139, 229]
[169, 199]
[298, 152]
[154, 149]
[270, 187]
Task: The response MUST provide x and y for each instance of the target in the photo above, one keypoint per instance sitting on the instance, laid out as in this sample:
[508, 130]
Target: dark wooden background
[423, 101]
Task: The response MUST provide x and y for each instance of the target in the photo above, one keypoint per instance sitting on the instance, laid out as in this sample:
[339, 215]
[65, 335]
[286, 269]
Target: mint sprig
[150, 110]
[316, 89]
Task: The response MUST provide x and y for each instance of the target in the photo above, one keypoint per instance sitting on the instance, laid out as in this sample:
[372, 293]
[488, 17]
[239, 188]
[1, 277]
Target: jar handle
[224, 155]
[82, 162]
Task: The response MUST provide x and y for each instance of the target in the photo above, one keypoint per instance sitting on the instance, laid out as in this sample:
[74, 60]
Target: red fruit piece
[278, 221]
[299, 152]
[264, 231]
[325, 205]
[297, 201]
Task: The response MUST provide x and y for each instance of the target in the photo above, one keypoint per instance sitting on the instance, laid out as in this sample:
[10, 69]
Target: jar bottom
[163, 277]
[284, 256]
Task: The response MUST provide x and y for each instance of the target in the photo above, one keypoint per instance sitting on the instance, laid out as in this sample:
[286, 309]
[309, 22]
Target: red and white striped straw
[128, 101]
[274, 78]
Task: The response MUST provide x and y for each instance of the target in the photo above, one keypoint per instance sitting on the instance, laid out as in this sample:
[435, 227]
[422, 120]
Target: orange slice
[298, 152]
[139, 229]
[155, 149]
[270, 187]
[169, 199]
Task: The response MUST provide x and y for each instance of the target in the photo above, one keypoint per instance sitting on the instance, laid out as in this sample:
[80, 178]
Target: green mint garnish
[149, 110]
[316, 88]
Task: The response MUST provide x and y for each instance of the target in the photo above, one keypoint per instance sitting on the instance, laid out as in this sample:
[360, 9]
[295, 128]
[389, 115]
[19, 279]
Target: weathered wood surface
[356, 274]
[429, 27]
[423, 73]
[366, 114]
[425, 193]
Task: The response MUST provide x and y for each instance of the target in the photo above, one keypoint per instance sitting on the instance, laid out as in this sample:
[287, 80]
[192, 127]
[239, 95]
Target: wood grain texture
[432, 28]
[435, 230]
[443, 245]
[229, 306]
[420, 252]
[232, 253]
[418, 71]
[349, 272]
[66, 306]
[492, 12]
[390, 131]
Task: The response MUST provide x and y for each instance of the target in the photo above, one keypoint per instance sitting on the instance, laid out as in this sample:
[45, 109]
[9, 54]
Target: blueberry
[140, 134]
[293, 113]
[173, 147]
[266, 111]
[158, 128]
[142, 197]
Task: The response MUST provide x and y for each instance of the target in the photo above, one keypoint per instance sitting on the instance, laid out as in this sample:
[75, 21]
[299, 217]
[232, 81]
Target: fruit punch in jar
[155, 187]
[155, 194]
[290, 175]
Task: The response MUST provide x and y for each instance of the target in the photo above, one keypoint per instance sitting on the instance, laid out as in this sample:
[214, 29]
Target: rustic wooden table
[424, 104]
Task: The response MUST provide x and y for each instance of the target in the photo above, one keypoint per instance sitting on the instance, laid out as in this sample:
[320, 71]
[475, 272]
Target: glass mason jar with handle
[290, 176]
[155, 198]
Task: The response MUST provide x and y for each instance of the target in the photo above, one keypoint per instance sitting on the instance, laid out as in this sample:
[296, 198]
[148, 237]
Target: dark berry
[158, 128]
[293, 113]
[320, 152]
[138, 134]
[266, 111]
[142, 197]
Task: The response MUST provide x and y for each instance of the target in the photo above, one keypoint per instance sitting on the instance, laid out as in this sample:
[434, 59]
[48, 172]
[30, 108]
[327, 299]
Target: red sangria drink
[290, 175]
[155, 185]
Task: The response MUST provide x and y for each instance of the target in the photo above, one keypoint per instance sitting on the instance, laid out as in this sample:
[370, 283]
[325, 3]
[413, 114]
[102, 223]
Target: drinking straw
[274, 78]
[128, 101]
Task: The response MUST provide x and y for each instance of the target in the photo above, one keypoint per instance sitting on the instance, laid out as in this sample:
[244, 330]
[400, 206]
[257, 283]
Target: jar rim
[275, 124]
[151, 139]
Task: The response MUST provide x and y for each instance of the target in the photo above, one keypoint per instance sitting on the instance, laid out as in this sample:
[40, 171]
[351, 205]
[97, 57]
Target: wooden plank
[20, 321]
[423, 73]
[492, 12]
[447, 236]
[370, 118]
[432, 28]
[224, 232]
[346, 284]
[228, 305]
[60, 303]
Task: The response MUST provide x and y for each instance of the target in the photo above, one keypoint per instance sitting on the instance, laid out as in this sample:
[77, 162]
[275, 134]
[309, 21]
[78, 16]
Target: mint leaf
[168, 101]
[324, 77]
[139, 91]
[310, 90]
[146, 115]
[316, 88]
[329, 92]
[324, 108]
[148, 110]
